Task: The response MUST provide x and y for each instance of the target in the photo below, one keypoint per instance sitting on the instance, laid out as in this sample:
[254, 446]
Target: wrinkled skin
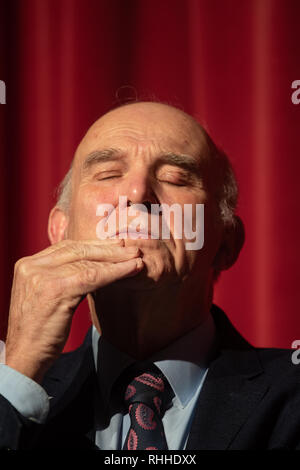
[140, 300]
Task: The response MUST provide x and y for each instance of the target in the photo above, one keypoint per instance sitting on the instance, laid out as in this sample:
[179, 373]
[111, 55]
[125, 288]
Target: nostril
[147, 205]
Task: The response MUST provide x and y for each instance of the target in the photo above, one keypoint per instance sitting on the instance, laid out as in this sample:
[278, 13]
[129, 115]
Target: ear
[57, 225]
[231, 245]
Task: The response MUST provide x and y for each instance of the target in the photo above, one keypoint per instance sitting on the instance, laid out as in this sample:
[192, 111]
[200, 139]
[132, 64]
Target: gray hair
[64, 192]
[229, 195]
[222, 183]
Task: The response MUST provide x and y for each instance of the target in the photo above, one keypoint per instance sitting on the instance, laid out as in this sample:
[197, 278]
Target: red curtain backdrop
[230, 63]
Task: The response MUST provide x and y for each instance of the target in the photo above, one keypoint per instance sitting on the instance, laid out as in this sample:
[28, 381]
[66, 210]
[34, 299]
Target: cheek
[83, 218]
[206, 230]
[203, 259]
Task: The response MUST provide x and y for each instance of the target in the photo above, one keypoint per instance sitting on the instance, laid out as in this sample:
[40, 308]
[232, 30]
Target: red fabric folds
[230, 63]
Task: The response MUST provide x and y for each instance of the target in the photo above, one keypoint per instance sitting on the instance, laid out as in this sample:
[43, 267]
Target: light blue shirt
[184, 363]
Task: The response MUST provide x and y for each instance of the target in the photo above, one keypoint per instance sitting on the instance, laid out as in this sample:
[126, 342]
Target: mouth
[129, 232]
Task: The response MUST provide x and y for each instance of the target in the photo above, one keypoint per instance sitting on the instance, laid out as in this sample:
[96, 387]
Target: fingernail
[139, 263]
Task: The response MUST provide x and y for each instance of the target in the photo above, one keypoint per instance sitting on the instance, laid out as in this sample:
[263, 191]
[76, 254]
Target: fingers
[68, 243]
[76, 265]
[68, 251]
[91, 252]
[89, 276]
[47, 289]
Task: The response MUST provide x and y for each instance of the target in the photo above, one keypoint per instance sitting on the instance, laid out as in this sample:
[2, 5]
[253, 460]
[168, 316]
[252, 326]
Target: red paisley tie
[145, 400]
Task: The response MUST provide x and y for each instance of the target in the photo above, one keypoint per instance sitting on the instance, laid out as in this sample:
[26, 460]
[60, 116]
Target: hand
[47, 289]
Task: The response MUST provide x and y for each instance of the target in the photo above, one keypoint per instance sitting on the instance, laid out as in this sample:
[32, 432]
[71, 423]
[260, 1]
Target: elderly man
[162, 367]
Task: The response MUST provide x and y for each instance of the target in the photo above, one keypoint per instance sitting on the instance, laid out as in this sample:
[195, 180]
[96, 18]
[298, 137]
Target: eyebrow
[100, 156]
[186, 162]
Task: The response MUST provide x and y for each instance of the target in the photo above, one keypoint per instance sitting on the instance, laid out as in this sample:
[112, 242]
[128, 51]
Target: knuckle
[22, 267]
[78, 250]
[35, 280]
[82, 265]
[43, 284]
[110, 268]
[90, 275]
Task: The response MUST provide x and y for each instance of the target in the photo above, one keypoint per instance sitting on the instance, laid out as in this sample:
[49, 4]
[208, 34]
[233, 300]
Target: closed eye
[106, 176]
[173, 183]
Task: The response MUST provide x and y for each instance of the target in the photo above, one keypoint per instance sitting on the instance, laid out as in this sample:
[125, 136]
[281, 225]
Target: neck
[142, 322]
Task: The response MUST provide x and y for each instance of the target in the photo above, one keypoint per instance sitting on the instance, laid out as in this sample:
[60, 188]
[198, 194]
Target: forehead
[147, 126]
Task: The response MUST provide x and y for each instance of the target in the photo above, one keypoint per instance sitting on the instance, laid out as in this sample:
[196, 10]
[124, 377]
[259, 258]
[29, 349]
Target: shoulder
[280, 364]
[237, 355]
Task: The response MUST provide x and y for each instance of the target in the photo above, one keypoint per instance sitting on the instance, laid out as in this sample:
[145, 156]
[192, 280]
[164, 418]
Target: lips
[135, 233]
[133, 227]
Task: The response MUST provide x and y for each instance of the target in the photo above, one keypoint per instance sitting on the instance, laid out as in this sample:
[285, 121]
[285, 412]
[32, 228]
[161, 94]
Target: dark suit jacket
[250, 400]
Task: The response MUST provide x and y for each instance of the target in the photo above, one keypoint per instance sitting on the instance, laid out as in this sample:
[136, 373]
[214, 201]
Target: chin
[137, 283]
[158, 273]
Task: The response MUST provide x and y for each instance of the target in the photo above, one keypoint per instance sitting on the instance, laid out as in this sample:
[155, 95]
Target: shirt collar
[183, 363]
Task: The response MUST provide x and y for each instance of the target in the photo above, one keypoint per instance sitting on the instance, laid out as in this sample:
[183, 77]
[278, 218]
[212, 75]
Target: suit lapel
[234, 386]
[225, 403]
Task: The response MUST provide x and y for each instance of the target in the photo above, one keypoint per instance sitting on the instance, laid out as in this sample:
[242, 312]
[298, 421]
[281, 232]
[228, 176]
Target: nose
[139, 190]
[147, 204]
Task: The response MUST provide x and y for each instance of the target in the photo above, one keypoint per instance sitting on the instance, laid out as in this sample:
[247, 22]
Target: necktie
[145, 398]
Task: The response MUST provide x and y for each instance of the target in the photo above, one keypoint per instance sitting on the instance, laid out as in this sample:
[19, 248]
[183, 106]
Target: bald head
[145, 120]
[148, 123]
